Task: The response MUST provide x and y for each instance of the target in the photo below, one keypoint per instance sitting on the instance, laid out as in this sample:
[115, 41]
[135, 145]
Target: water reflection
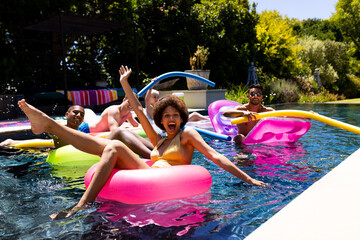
[181, 215]
[275, 160]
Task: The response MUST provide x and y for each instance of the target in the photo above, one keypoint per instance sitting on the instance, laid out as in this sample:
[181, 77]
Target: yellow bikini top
[172, 154]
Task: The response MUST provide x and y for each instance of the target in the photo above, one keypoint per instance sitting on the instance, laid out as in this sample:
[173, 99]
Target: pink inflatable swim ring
[221, 123]
[276, 129]
[141, 186]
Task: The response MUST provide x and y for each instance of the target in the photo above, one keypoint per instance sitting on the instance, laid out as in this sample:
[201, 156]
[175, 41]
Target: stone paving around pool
[329, 209]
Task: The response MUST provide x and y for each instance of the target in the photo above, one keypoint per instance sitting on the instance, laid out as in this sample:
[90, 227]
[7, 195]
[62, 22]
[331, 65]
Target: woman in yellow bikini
[176, 148]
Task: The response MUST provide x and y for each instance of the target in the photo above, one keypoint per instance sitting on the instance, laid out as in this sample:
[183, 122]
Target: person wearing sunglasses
[248, 110]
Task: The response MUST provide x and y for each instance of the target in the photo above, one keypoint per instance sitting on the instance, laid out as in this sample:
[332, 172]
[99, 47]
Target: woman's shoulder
[189, 133]
[188, 130]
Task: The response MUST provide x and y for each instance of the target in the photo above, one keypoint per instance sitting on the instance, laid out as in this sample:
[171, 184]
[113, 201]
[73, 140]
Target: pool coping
[328, 209]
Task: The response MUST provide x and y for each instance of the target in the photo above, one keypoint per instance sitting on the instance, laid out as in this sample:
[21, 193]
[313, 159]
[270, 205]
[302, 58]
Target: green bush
[237, 93]
[307, 84]
[352, 89]
[323, 96]
[331, 58]
[283, 91]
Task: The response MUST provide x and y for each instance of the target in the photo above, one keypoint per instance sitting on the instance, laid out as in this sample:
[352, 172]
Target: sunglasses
[259, 94]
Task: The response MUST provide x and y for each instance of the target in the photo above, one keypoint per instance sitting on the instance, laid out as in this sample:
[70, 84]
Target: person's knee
[113, 149]
[118, 134]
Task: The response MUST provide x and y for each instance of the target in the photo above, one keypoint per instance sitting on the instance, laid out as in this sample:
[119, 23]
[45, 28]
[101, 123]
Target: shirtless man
[112, 118]
[248, 110]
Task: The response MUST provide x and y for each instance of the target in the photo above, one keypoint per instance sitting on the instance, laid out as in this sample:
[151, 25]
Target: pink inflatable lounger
[276, 129]
[221, 123]
[267, 130]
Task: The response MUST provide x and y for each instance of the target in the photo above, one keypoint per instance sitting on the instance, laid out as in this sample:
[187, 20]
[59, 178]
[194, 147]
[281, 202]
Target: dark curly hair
[175, 102]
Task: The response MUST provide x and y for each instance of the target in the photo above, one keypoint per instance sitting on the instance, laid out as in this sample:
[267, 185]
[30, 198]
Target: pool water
[31, 189]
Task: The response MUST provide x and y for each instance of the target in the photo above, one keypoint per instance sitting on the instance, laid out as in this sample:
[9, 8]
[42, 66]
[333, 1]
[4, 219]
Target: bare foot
[37, 118]
[7, 142]
[66, 212]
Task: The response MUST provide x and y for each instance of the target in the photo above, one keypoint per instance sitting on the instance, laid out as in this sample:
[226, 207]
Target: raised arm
[149, 108]
[136, 106]
[198, 143]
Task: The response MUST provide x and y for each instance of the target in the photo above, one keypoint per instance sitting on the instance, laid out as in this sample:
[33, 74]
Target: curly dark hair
[175, 102]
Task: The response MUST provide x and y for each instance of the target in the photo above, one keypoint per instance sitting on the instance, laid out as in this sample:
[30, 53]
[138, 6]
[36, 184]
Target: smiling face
[75, 116]
[255, 96]
[171, 120]
[163, 105]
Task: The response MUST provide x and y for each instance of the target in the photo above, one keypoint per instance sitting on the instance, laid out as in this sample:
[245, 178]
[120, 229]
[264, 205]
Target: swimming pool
[31, 190]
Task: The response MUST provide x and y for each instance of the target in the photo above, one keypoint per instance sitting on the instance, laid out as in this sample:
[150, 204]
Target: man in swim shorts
[248, 110]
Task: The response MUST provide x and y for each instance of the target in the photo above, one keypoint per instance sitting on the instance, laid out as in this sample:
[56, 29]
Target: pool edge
[328, 209]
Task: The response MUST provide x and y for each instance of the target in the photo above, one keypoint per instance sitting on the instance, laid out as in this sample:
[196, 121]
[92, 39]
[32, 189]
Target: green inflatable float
[69, 156]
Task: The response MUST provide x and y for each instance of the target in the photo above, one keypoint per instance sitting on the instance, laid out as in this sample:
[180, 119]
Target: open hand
[259, 183]
[124, 73]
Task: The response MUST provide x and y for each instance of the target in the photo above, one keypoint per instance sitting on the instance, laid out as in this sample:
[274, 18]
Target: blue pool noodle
[213, 134]
[174, 74]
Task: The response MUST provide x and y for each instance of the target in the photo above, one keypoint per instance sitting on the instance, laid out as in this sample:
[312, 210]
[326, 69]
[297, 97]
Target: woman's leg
[115, 155]
[135, 142]
[40, 122]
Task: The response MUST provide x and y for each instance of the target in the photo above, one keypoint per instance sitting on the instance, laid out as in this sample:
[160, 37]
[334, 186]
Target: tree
[25, 64]
[167, 29]
[319, 28]
[331, 58]
[228, 29]
[277, 45]
[347, 17]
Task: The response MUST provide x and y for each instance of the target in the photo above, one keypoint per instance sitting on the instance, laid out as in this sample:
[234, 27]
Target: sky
[300, 9]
